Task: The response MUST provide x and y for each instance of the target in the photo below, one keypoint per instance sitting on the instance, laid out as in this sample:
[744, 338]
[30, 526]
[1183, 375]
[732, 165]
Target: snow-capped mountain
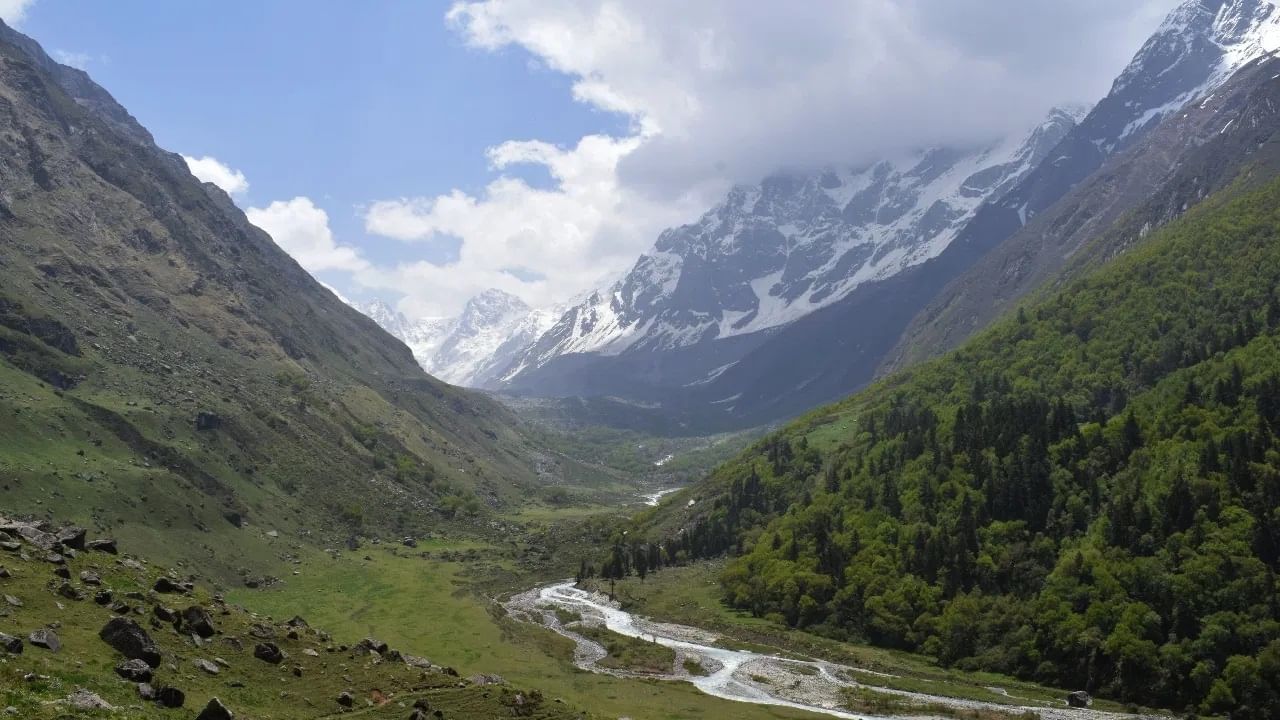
[774, 252]
[790, 293]
[463, 350]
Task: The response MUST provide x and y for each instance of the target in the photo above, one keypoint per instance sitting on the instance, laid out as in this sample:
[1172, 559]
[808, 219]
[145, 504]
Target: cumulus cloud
[302, 230]
[541, 244]
[211, 170]
[723, 89]
[13, 11]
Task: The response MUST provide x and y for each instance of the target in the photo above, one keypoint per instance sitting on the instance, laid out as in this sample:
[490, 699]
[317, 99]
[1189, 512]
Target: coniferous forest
[1087, 494]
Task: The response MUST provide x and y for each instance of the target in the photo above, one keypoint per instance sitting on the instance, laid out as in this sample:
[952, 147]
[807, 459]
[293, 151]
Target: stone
[45, 638]
[130, 640]
[310, 653]
[11, 644]
[146, 692]
[165, 614]
[63, 572]
[105, 545]
[82, 699]
[4, 573]
[1079, 699]
[373, 644]
[170, 697]
[89, 577]
[102, 597]
[10, 545]
[297, 671]
[196, 620]
[70, 592]
[206, 666]
[215, 710]
[268, 652]
[169, 586]
[72, 537]
[296, 622]
[345, 699]
[54, 558]
[208, 421]
[13, 601]
[136, 670]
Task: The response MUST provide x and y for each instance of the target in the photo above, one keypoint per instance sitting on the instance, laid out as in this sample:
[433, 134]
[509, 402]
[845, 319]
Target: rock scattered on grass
[11, 644]
[268, 652]
[135, 670]
[170, 697]
[45, 638]
[206, 666]
[130, 640]
[215, 710]
[82, 699]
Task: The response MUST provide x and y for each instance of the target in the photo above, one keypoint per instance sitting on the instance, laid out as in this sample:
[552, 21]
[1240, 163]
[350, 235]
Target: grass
[250, 687]
[430, 607]
[695, 668]
[867, 700]
[628, 653]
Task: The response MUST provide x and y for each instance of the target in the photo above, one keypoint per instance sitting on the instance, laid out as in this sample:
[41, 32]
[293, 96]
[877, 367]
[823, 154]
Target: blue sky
[424, 151]
[371, 101]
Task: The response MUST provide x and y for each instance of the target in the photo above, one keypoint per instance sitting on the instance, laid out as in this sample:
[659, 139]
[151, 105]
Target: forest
[1087, 494]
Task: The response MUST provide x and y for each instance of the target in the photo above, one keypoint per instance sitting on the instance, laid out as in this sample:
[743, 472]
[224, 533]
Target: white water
[653, 498]
[735, 674]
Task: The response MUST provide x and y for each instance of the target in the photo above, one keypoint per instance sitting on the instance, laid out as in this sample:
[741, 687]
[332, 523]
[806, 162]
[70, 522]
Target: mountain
[1083, 493]
[839, 348]
[1191, 155]
[765, 256]
[167, 371]
[468, 350]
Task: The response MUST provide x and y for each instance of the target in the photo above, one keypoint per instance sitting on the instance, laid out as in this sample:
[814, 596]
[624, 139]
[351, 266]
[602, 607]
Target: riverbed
[739, 675]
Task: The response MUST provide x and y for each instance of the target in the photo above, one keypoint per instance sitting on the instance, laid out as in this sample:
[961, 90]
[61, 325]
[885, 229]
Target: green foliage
[1086, 494]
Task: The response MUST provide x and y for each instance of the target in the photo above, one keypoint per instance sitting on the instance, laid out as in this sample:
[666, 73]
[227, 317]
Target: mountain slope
[840, 348]
[766, 255]
[165, 368]
[1085, 493]
[1193, 154]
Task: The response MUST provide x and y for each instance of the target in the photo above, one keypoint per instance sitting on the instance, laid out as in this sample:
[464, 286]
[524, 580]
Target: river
[738, 675]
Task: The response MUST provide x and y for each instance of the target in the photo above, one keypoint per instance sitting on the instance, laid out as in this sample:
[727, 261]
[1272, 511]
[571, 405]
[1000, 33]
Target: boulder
[12, 601]
[89, 577]
[345, 699]
[72, 537]
[70, 592]
[296, 622]
[4, 573]
[1079, 699]
[11, 644]
[82, 699]
[63, 572]
[135, 670]
[170, 586]
[54, 558]
[367, 644]
[215, 710]
[130, 640]
[102, 597]
[170, 697]
[105, 545]
[196, 620]
[268, 652]
[45, 638]
[146, 692]
[206, 666]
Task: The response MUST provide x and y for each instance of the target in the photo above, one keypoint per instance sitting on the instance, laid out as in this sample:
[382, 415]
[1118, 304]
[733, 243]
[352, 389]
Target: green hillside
[1087, 494]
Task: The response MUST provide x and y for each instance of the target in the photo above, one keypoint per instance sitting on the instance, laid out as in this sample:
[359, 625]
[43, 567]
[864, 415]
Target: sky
[421, 152]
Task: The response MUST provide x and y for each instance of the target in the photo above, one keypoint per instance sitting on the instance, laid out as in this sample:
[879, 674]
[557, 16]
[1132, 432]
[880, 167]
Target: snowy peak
[463, 350]
[1198, 46]
[796, 242]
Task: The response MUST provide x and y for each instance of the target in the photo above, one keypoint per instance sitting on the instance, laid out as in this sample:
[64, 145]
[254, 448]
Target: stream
[740, 675]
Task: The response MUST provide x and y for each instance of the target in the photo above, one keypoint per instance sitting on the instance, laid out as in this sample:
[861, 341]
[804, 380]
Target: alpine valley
[971, 431]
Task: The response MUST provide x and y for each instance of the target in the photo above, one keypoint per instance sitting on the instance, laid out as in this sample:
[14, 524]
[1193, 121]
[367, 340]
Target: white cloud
[559, 239]
[78, 60]
[302, 230]
[210, 169]
[13, 11]
[724, 89]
